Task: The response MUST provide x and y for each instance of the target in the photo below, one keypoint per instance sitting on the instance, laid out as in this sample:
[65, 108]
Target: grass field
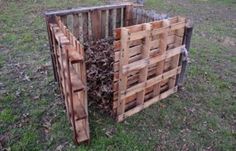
[202, 116]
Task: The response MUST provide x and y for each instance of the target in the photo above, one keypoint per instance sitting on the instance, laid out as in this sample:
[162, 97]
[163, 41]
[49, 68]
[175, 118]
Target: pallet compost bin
[149, 57]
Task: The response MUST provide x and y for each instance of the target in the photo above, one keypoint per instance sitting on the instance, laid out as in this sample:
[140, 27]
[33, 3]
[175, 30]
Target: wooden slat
[74, 55]
[132, 99]
[170, 40]
[123, 79]
[81, 23]
[90, 31]
[107, 24]
[76, 25]
[161, 65]
[79, 108]
[128, 15]
[147, 104]
[144, 62]
[86, 9]
[64, 19]
[139, 87]
[96, 24]
[114, 16]
[145, 54]
[122, 18]
[82, 134]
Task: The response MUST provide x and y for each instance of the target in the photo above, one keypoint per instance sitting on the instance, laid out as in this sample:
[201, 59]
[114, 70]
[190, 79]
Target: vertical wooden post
[47, 18]
[124, 59]
[145, 54]
[122, 17]
[90, 36]
[114, 15]
[76, 25]
[187, 41]
[160, 65]
[81, 33]
[57, 65]
[128, 15]
[64, 19]
[107, 24]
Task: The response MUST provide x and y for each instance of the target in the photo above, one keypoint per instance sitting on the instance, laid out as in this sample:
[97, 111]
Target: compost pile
[99, 65]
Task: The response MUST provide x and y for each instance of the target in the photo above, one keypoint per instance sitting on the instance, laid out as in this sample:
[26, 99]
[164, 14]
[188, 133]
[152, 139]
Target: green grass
[200, 117]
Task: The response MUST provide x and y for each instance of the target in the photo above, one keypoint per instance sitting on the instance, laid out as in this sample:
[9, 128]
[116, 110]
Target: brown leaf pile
[99, 64]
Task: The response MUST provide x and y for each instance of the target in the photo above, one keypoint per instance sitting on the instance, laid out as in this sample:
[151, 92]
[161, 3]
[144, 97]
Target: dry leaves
[99, 64]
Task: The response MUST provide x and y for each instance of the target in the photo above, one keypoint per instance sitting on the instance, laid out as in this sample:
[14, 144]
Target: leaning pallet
[149, 57]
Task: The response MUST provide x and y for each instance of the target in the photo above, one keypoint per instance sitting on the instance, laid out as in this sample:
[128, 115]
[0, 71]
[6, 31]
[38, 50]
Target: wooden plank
[187, 40]
[64, 19]
[144, 62]
[163, 48]
[96, 24]
[137, 35]
[114, 16]
[154, 44]
[85, 27]
[107, 24]
[145, 54]
[175, 63]
[53, 49]
[90, 30]
[82, 135]
[177, 26]
[76, 25]
[128, 15]
[74, 55]
[146, 104]
[81, 26]
[69, 90]
[103, 24]
[84, 94]
[122, 18]
[139, 87]
[123, 78]
[85, 9]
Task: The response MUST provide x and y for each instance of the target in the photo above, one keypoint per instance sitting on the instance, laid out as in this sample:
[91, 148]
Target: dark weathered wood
[128, 15]
[76, 25]
[183, 59]
[96, 24]
[85, 9]
[51, 19]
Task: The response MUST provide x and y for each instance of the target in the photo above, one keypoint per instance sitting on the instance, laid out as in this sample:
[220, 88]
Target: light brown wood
[147, 104]
[163, 48]
[123, 78]
[145, 54]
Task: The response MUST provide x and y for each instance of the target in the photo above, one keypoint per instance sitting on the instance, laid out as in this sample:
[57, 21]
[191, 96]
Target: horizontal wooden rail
[133, 90]
[85, 9]
[149, 61]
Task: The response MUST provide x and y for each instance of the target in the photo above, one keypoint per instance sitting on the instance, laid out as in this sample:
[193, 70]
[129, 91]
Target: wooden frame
[148, 64]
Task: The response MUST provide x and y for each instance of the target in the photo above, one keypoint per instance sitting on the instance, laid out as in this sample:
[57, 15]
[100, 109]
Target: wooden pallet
[69, 60]
[147, 63]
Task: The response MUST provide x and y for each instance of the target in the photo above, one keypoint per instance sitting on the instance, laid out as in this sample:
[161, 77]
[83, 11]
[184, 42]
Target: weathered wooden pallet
[148, 64]
[71, 73]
